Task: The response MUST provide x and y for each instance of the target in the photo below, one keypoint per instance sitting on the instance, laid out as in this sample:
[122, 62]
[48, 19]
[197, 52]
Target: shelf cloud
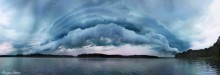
[126, 27]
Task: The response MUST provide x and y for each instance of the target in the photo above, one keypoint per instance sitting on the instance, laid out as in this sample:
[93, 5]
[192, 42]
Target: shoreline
[95, 55]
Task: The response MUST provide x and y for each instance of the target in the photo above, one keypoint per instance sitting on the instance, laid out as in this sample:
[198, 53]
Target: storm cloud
[152, 27]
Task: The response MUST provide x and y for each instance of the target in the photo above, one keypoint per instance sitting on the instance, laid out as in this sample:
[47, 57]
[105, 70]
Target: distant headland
[211, 52]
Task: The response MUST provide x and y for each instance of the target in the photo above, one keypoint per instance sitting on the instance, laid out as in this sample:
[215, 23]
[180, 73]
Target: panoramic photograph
[109, 37]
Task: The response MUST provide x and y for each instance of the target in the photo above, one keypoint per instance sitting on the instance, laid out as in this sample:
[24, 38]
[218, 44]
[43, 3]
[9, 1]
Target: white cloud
[4, 19]
[8, 29]
[210, 25]
[112, 50]
[5, 15]
[6, 48]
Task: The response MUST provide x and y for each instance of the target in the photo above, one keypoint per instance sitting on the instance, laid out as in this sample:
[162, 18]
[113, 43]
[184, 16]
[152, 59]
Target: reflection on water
[108, 66]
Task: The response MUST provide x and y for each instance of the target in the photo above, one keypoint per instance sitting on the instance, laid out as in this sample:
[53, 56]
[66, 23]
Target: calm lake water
[107, 66]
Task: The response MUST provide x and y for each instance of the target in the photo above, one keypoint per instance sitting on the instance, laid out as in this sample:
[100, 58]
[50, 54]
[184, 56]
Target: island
[211, 52]
[97, 55]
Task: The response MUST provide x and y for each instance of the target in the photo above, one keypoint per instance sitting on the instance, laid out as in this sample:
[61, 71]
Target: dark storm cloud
[92, 18]
[99, 23]
[47, 25]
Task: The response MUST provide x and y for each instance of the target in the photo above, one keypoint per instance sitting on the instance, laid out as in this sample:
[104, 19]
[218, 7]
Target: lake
[107, 66]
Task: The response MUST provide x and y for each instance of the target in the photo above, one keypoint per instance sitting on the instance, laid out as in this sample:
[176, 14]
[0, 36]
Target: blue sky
[127, 27]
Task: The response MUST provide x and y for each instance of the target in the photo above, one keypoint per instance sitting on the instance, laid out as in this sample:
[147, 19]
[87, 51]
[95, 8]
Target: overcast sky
[127, 27]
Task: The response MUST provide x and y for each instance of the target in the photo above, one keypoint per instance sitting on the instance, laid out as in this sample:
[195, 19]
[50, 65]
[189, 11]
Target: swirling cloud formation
[126, 27]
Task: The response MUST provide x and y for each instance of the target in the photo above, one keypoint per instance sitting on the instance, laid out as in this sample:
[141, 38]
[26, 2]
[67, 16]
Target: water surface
[107, 66]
